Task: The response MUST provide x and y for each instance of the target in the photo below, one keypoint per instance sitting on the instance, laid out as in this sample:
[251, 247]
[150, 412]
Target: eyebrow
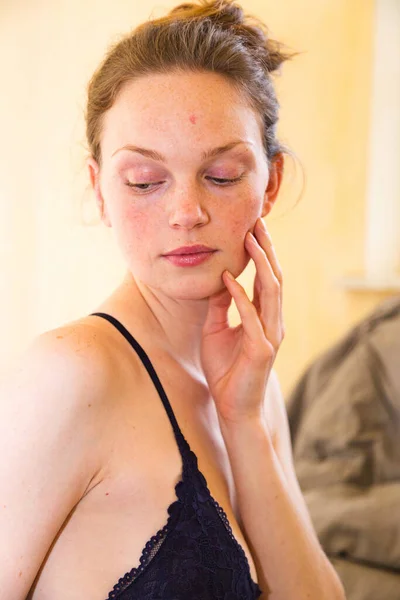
[157, 156]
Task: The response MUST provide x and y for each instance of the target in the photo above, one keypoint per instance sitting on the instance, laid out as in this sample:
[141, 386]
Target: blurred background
[336, 229]
[55, 267]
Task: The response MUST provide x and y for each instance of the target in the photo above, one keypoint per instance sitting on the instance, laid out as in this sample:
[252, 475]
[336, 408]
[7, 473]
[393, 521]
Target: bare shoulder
[65, 377]
[54, 403]
[76, 358]
[70, 361]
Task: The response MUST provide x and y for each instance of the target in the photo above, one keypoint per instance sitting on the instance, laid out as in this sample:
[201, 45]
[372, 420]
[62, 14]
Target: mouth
[191, 253]
[194, 249]
[189, 259]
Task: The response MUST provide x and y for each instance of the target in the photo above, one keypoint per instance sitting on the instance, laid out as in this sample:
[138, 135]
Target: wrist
[247, 428]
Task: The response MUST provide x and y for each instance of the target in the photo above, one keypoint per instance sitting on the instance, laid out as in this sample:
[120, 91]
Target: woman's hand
[237, 360]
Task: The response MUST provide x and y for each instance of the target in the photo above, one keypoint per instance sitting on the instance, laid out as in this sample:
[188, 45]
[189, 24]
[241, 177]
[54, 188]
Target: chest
[127, 503]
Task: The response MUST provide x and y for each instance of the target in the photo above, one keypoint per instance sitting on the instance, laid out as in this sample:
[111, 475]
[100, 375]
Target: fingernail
[229, 275]
[261, 223]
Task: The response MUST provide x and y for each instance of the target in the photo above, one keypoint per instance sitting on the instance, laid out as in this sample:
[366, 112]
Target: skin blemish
[89, 405]
[193, 119]
[107, 493]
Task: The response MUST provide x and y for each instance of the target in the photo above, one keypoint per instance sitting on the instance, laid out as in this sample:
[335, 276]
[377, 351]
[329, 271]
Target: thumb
[217, 315]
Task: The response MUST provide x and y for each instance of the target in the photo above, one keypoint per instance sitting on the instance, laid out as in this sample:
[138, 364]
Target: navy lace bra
[195, 556]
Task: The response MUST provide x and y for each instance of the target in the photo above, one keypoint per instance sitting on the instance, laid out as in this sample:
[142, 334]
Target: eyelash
[226, 183]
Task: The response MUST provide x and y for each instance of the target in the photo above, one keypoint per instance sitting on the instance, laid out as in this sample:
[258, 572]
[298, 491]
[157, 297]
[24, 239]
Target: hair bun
[227, 13]
[221, 12]
[252, 32]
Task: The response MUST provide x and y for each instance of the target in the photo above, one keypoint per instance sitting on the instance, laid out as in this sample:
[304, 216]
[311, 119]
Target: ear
[274, 183]
[94, 174]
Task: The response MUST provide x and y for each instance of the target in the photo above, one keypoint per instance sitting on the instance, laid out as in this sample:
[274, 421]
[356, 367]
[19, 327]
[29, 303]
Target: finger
[217, 315]
[259, 346]
[267, 293]
[264, 271]
[264, 239]
[265, 242]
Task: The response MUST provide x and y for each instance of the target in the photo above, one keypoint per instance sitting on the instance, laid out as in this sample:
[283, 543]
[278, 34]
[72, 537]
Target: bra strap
[182, 443]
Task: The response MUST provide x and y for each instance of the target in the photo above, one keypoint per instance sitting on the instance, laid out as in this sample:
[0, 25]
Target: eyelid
[223, 182]
[242, 159]
[237, 178]
[133, 185]
[228, 180]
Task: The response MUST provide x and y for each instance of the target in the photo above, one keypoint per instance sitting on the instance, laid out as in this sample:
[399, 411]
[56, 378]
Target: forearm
[292, 562]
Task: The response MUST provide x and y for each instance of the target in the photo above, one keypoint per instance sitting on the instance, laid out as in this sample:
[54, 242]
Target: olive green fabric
[344, 417]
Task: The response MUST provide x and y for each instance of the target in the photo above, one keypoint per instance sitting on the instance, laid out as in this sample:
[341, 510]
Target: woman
[147, 445]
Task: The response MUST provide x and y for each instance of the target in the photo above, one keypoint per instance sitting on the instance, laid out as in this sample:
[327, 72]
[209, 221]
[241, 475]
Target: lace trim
[223, 516]
[154, 544]
[151, 548]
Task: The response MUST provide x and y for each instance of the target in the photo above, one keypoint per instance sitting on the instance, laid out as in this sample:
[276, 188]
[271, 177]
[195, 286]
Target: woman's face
[175, 123]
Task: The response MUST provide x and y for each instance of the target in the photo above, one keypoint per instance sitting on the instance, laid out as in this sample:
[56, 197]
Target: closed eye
[145, 187]
[220, 181]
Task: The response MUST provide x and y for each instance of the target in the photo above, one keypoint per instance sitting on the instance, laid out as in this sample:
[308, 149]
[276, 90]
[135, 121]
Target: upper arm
[48, 452]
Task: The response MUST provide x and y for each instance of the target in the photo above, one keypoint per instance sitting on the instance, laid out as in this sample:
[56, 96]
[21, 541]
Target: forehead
[176, 109]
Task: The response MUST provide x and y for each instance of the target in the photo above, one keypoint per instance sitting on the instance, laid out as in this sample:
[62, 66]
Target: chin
[191, 290]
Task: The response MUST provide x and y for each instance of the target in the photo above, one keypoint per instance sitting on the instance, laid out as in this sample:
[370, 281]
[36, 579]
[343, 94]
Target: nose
[186, 207]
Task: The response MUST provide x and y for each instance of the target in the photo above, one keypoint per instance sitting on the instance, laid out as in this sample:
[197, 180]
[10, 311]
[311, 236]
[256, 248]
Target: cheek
[237, 223]
[244, 216]
[141, 228]
[134, 229]
[237, 229]
[136, 221]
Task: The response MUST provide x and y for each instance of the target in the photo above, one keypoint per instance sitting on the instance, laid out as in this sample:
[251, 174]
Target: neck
[175, 324]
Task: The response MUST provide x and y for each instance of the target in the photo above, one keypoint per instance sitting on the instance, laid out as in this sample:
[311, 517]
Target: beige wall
[54, 269]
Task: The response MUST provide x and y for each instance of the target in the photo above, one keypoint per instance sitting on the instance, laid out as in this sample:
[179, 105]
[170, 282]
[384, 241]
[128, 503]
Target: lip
[189, 260]
[196, 249]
